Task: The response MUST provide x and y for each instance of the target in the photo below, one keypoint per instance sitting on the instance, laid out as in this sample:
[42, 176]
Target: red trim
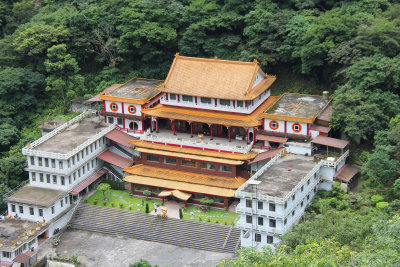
[195, 100]
[298, 124]
[105, 117]
[215, 102]
[247, 136]
[273, 128]
[308, 129]
[166, 96]
[285, 127]
[229, 133]
[113, 103]
[178, 98]
[233, 103]
[191, 130]
[245, 103]
[211, 132]
[153, 100]
[157, 125]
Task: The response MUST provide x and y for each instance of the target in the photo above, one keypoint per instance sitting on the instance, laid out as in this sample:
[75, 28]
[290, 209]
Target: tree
[381, 168]
[142, 263]
[147, 208]
[206, 201]
[63, 73]
[180, 214]
[9, 135]
[103, 187]
[147, 193]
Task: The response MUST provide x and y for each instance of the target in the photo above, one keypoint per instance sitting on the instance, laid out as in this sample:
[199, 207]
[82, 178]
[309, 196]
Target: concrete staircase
[137, 225]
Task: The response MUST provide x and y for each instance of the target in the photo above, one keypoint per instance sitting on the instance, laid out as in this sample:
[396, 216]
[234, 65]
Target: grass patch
[117, 197]
[214, 216]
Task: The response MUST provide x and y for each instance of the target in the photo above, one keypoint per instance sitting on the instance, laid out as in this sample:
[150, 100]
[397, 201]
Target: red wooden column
[156, 125]
[185, 204]
[173, 127]
[151, 124]
[105, 117]
[191, 129]
[211, 132]
[254, 135]
[229, 133]
[162, 199]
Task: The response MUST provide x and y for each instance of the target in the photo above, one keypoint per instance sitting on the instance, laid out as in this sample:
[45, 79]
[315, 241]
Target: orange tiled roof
[248, 156]
[187, 177]
[215, 78]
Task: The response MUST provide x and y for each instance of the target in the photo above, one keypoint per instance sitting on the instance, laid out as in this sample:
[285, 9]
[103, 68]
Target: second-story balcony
[198, 141]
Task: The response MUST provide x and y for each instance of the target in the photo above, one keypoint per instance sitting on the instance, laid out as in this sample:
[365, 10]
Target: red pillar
[285, 128]
[105, 117]
[191, 129]
[156, 125]
[211, 133]
[308, 129]
[185, 204]
[254, 136]
[229, 133]
[173, 127]
[247, 136]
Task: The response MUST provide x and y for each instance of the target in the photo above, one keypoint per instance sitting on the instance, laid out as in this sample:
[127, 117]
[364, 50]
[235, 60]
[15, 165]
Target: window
[41, 177]
[273, 125]
[248, 203]
[31, 211]
[48, 178]
[119, 121]
[308, 182]
[315, 189]
[88, 166]
[74, 176]
[52, 210]
[114, 107]
[33, 175]
[32, 160]
[131, 109]
[260, 205]
[12, 208]
[257, 237]
[272, 223]
[225, 168]
[225, 102]
[83, 170]
[293, 197]
[54, 179]
[60, 165]
[170, 161]
[87, 150]
[172, 96]
[69, 179]
[46, 162]
[92, 164]
[285, 205]
[153, 158]
[62, 180]
[6, 254]
[270, 239]
[73, 160]
[301, 204]
[21, 209]
[285, 221]
[69, 163]
[207, 165]
[308, 197]
[95, 145]
[205, 100]
[66, 200]
[62, 203]
[40, 162]
[110, 120]
[249, 219]
[77, 157]
[260, 221]
[240, 104]
[53, 163]
[296, 127]
[271, 207]
[187, 98]
[293, 213]
[302, 188]
[91, 148]
[41, 212]
[188, 163]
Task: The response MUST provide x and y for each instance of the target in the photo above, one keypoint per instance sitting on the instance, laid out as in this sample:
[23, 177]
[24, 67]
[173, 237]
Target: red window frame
[116, 109]
[296, 131]
[273, 128]
[134, 108]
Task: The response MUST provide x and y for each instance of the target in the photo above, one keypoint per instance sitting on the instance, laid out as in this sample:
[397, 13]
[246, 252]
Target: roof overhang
[329, 141]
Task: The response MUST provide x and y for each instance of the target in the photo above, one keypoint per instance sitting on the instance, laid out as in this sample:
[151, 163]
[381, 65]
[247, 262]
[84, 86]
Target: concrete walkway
[172, 209]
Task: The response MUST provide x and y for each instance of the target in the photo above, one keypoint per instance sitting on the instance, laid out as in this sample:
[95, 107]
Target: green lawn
[214, 216]
[117, 197]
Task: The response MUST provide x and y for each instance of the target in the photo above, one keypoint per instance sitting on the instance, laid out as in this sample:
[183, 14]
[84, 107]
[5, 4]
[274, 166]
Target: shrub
[121, 205]
[104, 203]
[376, 198]
[208, 220]
[200, 219]
[180, 214]
[147, 193]
[85, 200]
[147, 208]
[95, 202]
[381, 205]
[225, 223]
[112, 204]
[216, 221]
[130, 207]
[333, 202]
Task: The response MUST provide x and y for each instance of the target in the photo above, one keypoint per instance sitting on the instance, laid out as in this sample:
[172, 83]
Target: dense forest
[52, 51]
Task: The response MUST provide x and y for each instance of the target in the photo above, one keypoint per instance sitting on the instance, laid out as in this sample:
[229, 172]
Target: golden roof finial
[215, 58]
[177, 54]
[12, 244]
[26, 234]
[255, 61]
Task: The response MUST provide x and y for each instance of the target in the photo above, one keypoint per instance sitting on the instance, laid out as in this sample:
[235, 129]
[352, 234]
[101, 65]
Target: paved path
[172, 209]
[95, 249]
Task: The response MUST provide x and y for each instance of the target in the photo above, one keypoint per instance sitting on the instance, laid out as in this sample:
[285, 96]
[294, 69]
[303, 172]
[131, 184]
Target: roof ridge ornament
[255, 61]
[177, 54]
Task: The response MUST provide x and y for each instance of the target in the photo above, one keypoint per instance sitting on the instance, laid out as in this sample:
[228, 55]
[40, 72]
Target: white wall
[123, 108]
[299, 148]
[289, 127]
[280, 129]
[128, 121]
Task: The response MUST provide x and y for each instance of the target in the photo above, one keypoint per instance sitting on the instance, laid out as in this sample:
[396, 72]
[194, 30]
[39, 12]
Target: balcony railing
[335, 162]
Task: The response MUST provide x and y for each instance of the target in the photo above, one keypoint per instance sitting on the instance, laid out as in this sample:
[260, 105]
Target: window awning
[269, 138]
[321, 129]
[115, 159]
[329, 141]
[88, 181]
[120, 137]
[346, 173]
[266, 155]
[175, 193]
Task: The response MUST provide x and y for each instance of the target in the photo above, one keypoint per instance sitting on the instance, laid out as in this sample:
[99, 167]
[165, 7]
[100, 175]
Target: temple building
[211, 129]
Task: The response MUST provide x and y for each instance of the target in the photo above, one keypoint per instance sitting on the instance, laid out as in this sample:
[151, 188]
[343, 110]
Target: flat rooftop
[10, 229]
[137, 89]
[73, 136]
[36, 196]
[296, 105]
[283, 175]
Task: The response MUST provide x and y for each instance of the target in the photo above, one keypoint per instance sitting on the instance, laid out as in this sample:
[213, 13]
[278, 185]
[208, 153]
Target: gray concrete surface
[94, 249]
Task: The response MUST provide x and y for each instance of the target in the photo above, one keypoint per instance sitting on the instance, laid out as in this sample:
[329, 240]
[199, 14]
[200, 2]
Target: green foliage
[376, 198]
[147, 208]
[206, 201]
[103, 187]
[381, 168]
[381, 205]
[9, 135]
[116, 185]
[142, 263]
[121, 205]
[147, 193]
